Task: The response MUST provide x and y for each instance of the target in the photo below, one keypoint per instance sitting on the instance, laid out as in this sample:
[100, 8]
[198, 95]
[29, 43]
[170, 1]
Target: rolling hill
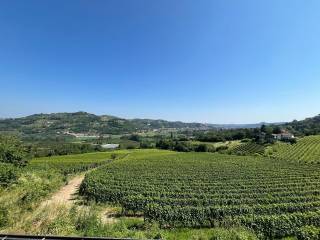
[57, 124]
[43, 126]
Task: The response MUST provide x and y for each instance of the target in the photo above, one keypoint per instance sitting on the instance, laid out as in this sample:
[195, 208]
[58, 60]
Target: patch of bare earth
[67, 194]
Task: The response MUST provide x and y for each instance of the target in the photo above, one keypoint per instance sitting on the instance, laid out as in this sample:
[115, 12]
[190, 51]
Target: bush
[3, 217]
[308, 232]
[182, 147]
[12, 151]
[8, 174]
[201, 148]
[222, 148]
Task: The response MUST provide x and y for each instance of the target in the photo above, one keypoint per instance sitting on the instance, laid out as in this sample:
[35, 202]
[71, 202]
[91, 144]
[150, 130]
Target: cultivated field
[274, 198]
[249, 148]
[175, 195]
[307, 149]
[69, 164]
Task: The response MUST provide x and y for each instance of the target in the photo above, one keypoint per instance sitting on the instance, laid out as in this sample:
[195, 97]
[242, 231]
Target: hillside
[308, 126]
[46, 126]
[307, 149]
[57, 124]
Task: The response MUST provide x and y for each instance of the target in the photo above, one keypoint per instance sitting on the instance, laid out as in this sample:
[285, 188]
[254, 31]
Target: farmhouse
[283, 136]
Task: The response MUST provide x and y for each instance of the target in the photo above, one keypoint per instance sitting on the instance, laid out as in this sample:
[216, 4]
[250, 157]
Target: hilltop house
[283, 136]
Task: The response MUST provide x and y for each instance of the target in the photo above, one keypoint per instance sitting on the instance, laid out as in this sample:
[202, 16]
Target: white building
[110, 146]
[283, 136]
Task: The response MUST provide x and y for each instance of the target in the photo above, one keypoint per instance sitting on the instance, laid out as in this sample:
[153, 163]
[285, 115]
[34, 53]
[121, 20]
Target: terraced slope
[275, 198]
[247, 149]
[307, 149]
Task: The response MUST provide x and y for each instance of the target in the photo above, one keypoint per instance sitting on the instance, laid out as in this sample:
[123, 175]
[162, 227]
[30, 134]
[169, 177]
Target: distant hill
[238, 126]
[62, 124]
[309, 126]
[57, 124]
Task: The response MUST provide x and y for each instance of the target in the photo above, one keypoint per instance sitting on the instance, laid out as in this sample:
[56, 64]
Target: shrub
[222, 148]
[8, 174]
[12, 151]
[3, 217]
[308, 232]
[201, 148]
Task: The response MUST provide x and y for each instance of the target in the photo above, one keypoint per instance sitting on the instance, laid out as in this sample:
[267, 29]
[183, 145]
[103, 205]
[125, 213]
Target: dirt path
[66, 195]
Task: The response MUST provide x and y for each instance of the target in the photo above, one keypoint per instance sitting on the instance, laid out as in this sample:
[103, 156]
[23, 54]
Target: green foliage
[39, 179]
[12, 151]
[4, 219]
[52, 148]
[309, 126]
[249, 148]
[181, 146]
[309, 233]
[275, 198]
[70, 164]
[39, 127]
[129, 144]
[222, 148]
[35, 185]
[201, 148]
[226, 135]
[23, 196]
[89, 223]
[8, 174]
[306, 149]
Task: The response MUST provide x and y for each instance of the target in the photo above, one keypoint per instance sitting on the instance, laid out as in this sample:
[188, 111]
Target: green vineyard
[247, 149]
[306, 149]
[74, 163]
[274, 198]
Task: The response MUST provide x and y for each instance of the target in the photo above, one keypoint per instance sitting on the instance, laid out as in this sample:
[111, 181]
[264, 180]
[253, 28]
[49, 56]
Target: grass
[39, 179]
[23, 197]
[80, 221]
[229, 144]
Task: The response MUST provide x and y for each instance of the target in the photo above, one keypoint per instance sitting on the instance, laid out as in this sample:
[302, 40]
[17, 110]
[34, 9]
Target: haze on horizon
[194, 61]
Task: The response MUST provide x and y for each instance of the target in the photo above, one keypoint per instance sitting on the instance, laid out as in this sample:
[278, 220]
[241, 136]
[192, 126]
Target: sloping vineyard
[247, 149]
[275, 198]
[307, 149]
[74, 163]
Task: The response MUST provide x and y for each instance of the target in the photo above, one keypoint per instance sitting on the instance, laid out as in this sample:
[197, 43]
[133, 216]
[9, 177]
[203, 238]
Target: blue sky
[201, 60]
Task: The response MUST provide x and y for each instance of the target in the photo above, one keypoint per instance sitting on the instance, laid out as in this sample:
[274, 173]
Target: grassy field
[211, 190]
[40, 179]
[306, 150]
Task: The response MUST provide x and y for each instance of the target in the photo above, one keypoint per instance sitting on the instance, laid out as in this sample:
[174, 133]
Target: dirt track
[66, 195]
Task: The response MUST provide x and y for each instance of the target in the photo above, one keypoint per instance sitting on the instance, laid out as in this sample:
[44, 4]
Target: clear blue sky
[201, 60]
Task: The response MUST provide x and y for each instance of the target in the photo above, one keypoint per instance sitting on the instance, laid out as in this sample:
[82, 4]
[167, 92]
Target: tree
[12, 151]
[277, 130]
[134, 137]
[201, 148]
[266, 129]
